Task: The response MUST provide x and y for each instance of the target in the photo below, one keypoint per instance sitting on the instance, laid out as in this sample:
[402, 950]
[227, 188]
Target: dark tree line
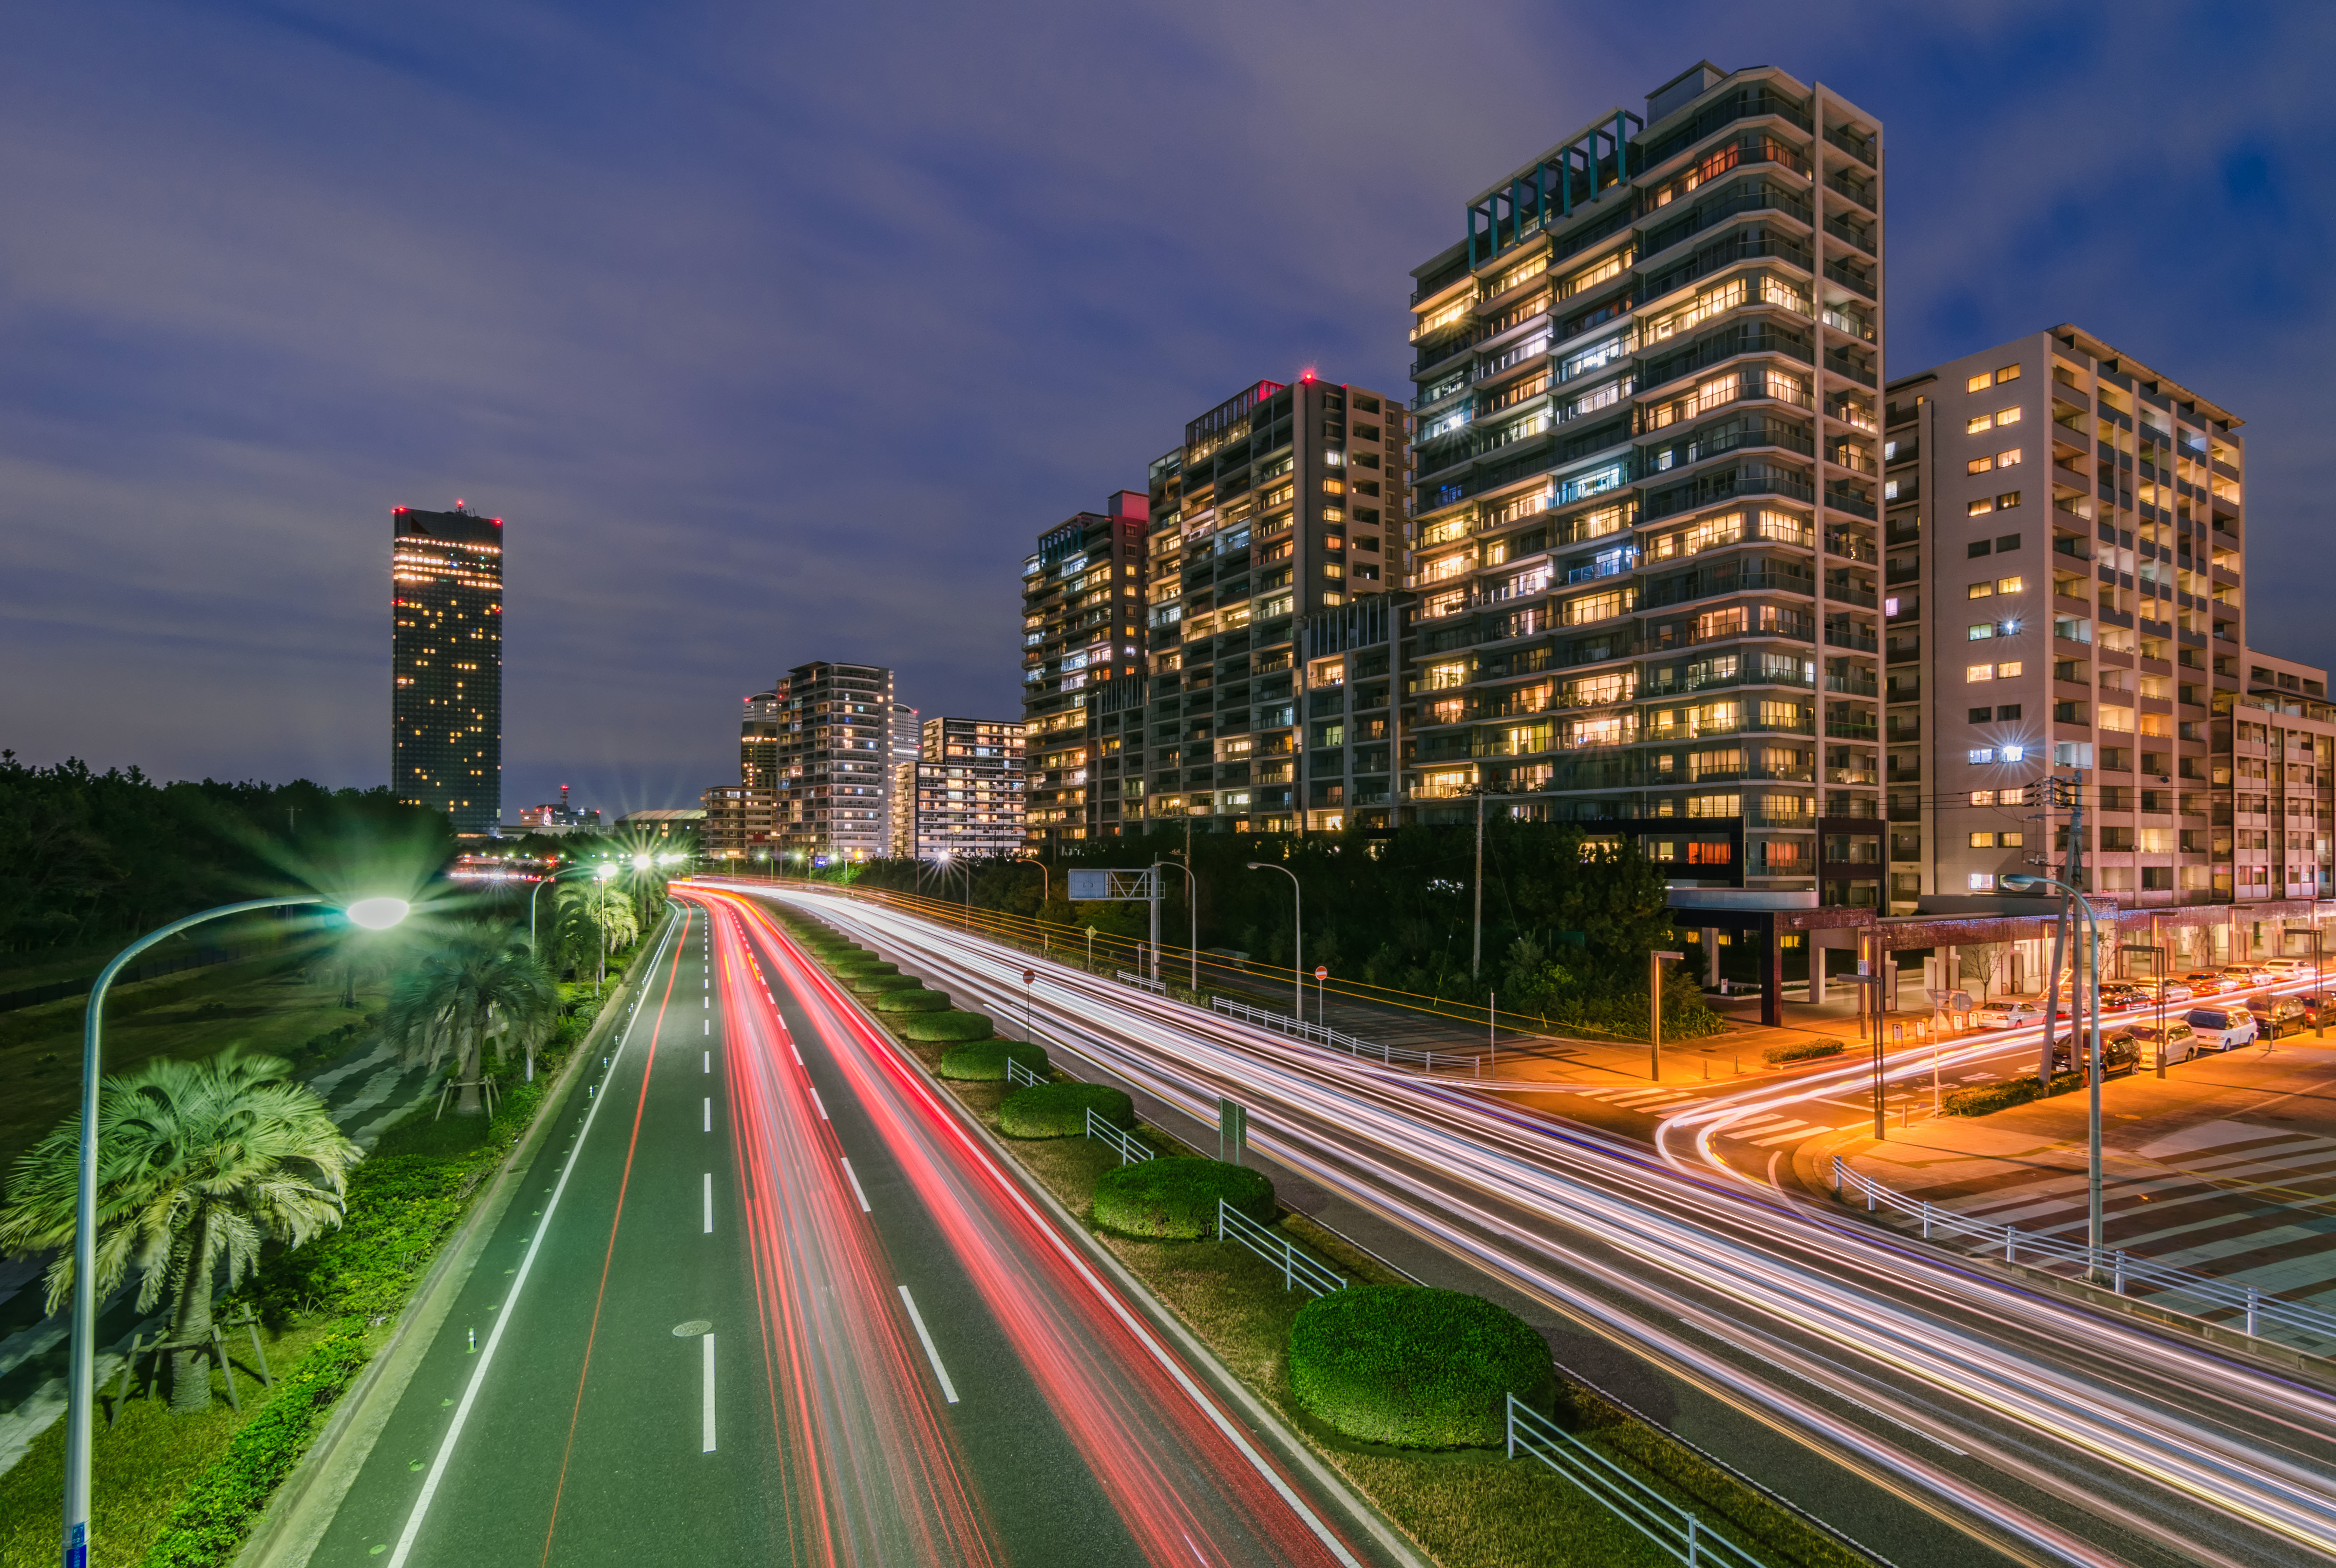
[1566, 930]
[88, 857]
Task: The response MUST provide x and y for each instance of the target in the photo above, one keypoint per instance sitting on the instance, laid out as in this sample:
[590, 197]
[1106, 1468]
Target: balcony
[1857, 191]
[1854, 685]
[1849, 637]
[1855, 234]
[1691, 586]
[1849, 546]
[1860, 148]
[1845, 361]
[1855, 279]
[1852, 729]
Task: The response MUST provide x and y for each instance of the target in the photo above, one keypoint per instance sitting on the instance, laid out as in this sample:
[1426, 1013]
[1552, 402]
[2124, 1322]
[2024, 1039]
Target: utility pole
[1655, 1013]
[2047, 795]
[1477, 940]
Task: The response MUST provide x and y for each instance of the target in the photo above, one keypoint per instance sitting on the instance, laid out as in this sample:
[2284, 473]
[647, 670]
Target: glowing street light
[373, 914]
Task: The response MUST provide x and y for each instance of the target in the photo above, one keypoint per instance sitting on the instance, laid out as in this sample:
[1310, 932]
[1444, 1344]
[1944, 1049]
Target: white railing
[1298, 1270]
[1322, 1035]
[1673, 1529]
[2158, 1284]
[1022, 1077]
[1157, 987]
[1129, 1150]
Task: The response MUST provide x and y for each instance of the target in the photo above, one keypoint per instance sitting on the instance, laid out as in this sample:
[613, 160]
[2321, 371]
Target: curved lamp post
[1297, 934]
[1192, 908]
[2020, 883]
[373, 914]
[541, 882]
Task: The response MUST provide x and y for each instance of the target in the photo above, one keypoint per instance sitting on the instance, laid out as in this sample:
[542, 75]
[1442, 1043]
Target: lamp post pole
[1655, 1013]
[1191, 908]
[2092, 995]
[1297, 936]
[80, 1396]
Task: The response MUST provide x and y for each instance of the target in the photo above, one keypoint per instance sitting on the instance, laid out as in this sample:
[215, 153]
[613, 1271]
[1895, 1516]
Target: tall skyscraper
[446, 663]
[1645, 489]
[834, 785]
[961, 799]
[1082, 629]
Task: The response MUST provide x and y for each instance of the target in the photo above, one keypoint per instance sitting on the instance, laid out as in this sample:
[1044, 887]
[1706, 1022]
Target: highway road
[764, 1298]
[1986, 1413]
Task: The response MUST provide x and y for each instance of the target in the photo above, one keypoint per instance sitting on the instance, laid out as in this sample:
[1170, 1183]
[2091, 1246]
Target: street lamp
[2020, 883]
[531, 902]
[1655, 1012]
[604, 872]
[1297, 934]
[1192, 908]
[373, 914]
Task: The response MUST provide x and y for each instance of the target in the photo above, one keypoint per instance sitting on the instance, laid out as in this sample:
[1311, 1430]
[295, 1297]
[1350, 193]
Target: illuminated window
[1982, 841]
[1980, 753]
[1978, 382]
[1982, 881]
[2008, 415]
[1977, 423]
[1333, 514]
[2008, 459]
[1982, 797]
[1979, 508]
[2007, 501]
[1980, 632]
[1979, 465]
[2008, 585]
[1334, 487]
[2007, 671]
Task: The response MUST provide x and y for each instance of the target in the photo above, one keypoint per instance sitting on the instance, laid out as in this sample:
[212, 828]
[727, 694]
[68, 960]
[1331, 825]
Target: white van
[2179, 1043]
[2222, 1029]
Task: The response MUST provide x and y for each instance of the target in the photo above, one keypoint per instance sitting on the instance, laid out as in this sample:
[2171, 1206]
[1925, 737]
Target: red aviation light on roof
[1306, 376]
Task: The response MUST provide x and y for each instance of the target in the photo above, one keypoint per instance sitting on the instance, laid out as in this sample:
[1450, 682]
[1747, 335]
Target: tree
[1978, 963]
[593, 919]
[483, 983]
[198, 1164]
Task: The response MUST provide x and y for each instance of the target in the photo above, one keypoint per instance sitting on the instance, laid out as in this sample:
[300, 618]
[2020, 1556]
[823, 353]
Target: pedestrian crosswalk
[2240, 1200]
[1761, 1131]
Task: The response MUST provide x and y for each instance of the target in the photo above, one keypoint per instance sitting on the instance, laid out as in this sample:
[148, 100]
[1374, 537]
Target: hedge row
[1060, 1110]
[1415, 1368]
[209, 1525]
[1175, 1200]
[1990, 1097]
[1806, 1051]
[984, 1061]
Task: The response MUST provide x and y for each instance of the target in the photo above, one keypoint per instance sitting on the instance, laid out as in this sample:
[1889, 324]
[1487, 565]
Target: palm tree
[198, 1164]
[484, 983]
[594, 918]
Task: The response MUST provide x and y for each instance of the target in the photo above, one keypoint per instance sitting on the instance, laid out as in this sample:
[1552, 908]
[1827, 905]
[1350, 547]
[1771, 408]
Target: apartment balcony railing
[1727, 253]
[1852, 277]
[1861, 150]
[1854, 685]
[1857, 191]
[1854, 502]
[1726, 343]
[1849, 363]
[1849, 637]
[1854, 233]
[1703, 216]
[1747, 479]
[1850, 729]
[1696, 585]
[1683, 687]
[1848, 546]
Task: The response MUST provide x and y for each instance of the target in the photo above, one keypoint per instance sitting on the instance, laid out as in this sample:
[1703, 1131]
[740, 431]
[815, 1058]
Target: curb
[296, 1517]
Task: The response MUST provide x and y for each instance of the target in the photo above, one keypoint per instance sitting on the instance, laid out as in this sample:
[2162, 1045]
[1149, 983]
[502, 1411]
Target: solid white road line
[708, 1447]
[709, 1115]
[817, 1101]
[948, 1389]
[853, 1176]
[709, 1204]
[495, 1335]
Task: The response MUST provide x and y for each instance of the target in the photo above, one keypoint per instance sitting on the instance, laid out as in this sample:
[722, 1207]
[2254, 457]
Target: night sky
[779, 333]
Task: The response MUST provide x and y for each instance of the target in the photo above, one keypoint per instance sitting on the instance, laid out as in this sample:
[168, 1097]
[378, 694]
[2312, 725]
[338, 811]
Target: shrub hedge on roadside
[985, 1060]
[1060, 1110]
[1806, 1051]
[1989, 1097]
[911, 999]
[943, 1028]
[1415, 1368]
[866, 984]
[1175, 1200]
[214, 1514]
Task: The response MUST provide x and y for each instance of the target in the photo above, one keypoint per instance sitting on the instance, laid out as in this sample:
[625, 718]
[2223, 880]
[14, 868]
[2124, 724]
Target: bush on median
[1060, 1110]
[985, 1060]
[866, 984]
[913, 999]
[1806, 1051]
[1175, 1200]
[1987, 1098]
[945, 1029]
[1415, 1366]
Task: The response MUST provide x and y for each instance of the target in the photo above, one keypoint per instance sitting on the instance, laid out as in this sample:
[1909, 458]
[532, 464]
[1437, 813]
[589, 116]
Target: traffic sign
[1321, 974]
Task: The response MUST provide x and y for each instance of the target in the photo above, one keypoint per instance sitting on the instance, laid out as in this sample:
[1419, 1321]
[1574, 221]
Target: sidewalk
[2225, 1167]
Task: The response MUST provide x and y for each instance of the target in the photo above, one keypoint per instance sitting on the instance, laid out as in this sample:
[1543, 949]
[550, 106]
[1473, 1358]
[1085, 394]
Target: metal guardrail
[1673, 1529]
[1322, 1035]
[1157, 987]
[2122, 1269]
[1016, 1074]
[1298, 1270]
[1129, 1150]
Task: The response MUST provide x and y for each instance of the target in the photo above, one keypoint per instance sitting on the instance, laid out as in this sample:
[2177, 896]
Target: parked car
[2006, 1015]
[2119, 994]
[2276, 1016]
[2208, 982]
[2245, 975]
[2288, 969]
[2221, 1028]
[2119, 1053]
[2173, 992]
[2317, 1005]
[2177, 1042]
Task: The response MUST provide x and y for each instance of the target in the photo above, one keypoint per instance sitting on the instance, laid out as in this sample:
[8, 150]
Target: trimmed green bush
[984, 1061]
[863, 964]
[1060, 1110]
[1806, 1051]
[940, 1028]
[913, 999]
[1415, 1368]
[218, 1509]
[1175, 1200]
[1990, 1097]
[866, 984]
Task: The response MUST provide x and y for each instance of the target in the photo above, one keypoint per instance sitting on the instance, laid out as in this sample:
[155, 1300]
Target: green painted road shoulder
[304, 1507]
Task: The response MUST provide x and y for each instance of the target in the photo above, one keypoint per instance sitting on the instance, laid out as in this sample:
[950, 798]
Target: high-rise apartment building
[2067, 538]
[834, 722]
[447, 663]
[963, 798]
[1644, 489]
[1082, 626]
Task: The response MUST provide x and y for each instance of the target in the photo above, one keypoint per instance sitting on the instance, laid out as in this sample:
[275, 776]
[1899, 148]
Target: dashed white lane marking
[853, 1176]
[708, 1447]
[948, 1389]
[709, 1203]
[818, 1102]
[709, 1115]
[709, 1064]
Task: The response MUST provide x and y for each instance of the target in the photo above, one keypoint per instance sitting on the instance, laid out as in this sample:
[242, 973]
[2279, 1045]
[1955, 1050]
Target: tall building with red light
[447, 663]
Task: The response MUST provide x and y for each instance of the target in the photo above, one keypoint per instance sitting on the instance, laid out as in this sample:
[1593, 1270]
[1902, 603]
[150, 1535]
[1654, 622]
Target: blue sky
[779, 333]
